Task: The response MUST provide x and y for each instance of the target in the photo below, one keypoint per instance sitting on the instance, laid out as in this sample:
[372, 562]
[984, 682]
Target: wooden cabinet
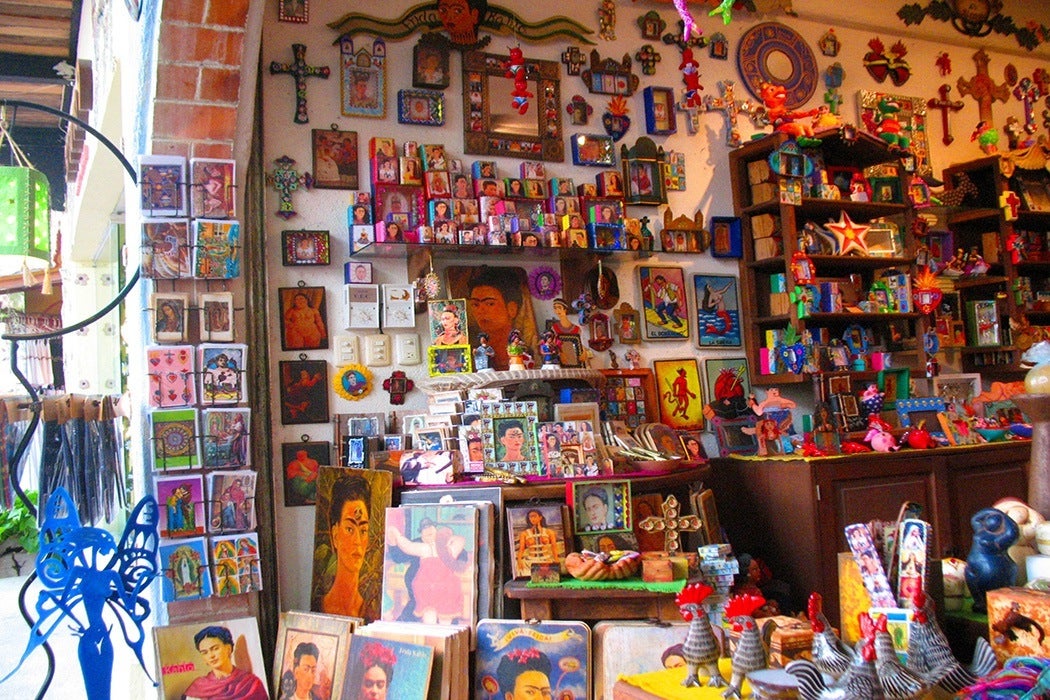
[774, 225]
[792, 513]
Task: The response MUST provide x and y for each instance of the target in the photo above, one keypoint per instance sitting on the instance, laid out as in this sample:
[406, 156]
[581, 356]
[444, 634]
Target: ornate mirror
[493, 126]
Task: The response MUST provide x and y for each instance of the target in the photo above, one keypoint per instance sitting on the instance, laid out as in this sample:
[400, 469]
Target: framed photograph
[311, 655]
[304, 314]
[660, 117]
[305, 248]
[358, 272]
[301, 461]
[717, 311]
[664, 307]
[212, 188]
[403, 204]
[421, 107]
[537, 536]
[593, 149]
[958, 390]
[726, 239]
[170, 313]
[914, 411]
[982, 323]
[438, 187]
[304, 391]
[508, 431]
[335, 159]
[601, 506]
[363, 77]
[895, 383]
[430, 65]
[297, 11]
[681, 396]
[448, 359]
[886, 190]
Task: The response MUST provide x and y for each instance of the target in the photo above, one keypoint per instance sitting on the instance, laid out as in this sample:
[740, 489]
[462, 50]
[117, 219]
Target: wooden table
[603, 604]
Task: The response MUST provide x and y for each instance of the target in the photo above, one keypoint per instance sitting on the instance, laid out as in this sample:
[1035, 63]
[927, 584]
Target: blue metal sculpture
[82, 571]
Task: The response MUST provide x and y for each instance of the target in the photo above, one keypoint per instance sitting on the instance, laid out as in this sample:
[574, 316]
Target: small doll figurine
[516, 350]
[483, 354]
[550, 349]
[515, 68]
[691, 77]
[633, 359]
[872, 400]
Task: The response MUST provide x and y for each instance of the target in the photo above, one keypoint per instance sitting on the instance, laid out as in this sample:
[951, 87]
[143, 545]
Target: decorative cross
[682, 41]
[727, 104]
[286, 180]
[945, 105]
[648, 57]
[1028, 92]
[573, 59]
[671, 524]
[1010, 203]
[982, 88]
[300, 71]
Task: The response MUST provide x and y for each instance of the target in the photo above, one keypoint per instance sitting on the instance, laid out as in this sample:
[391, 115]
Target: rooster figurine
[830, 654]
[897, 681]
[750, 651]
[930, 656]
[858, 683]
[700, 648]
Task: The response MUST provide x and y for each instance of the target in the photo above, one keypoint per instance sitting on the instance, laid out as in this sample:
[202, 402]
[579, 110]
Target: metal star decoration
[849, 235]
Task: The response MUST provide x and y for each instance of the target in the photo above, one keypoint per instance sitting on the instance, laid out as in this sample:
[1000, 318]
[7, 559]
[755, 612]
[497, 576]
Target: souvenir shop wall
[303, 127]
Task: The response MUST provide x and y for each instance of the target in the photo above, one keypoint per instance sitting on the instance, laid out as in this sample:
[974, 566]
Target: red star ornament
[849, 235]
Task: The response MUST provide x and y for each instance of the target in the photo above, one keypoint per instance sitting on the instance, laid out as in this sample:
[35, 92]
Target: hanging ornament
[352, 382]
[849, 235]
[544, 282]
[615, 120]
[428, 286]
[398, 384]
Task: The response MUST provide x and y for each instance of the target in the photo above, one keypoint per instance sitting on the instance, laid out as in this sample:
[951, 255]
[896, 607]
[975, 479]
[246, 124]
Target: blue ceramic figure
[988, 566]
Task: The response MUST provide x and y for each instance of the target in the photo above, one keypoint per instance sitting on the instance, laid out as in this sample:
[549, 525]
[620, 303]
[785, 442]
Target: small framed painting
[735, 436]
[508, 431]
[216, 316]
[335, 159]
[660, 118]
[430, 65]
[726, 240]
[664, 307]
[681, 396]
[602, 506]
[304, 391]
[421, 107]
[958, 390]
[448, 359]
[297, 11]
[643, 172]
[717, 311]
[170, 314]
[593, 149]
[305, 248]
[895, 383]
[304, 314]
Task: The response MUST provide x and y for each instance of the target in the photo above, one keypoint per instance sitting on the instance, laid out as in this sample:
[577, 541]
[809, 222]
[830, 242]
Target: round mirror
[779, 66]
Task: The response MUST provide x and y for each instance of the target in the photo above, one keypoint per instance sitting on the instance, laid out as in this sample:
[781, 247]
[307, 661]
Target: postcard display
[200, 429]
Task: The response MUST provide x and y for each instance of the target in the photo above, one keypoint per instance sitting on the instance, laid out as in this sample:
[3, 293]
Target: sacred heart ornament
[876, 61]
[615, 120]
[926, 294]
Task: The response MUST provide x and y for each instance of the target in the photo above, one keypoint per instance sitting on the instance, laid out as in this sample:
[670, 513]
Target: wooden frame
[304, 391]
[430, 65]
[297, 11]
[304, 326]
[335, 159]
[421, 107]
[726, 237]
[643, 172]
[717, 311]
[628, 324]
[660, 116]
[493, 126]
[330, 636]
[300, 475]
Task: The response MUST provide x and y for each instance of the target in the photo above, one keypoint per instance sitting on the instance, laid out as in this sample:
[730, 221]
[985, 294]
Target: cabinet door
[978, 485]
[878, 498]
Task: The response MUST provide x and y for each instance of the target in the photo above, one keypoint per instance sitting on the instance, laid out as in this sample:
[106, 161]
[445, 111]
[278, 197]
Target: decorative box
[1017, 621]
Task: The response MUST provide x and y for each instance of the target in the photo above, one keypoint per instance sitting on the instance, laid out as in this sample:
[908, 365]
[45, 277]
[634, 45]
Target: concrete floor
[68, 683]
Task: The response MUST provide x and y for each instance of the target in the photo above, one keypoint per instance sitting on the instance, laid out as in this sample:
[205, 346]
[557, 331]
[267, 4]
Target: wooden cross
[1028, 92]
[671, 524]
[982, 88]
[286, 180]
[300, 71]
[573, 59]
[727, 104]
[945, 105]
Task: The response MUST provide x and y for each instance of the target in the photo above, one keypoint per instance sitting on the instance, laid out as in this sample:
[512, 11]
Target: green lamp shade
[25, 219]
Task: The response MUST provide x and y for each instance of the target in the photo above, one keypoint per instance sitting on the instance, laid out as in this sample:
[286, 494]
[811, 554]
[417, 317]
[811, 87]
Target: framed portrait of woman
[537, 536]
[304, 314]
[304, 391]
[311, 641]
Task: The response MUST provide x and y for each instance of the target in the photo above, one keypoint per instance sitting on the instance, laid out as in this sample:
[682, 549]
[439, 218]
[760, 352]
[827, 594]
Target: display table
[546, 603]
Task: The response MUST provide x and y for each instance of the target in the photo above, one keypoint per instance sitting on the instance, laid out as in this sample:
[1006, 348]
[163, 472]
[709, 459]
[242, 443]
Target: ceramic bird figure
[700, 649]
[897, 681]
[930, 656]
[830, 654]
[858, 683]
[750, 652]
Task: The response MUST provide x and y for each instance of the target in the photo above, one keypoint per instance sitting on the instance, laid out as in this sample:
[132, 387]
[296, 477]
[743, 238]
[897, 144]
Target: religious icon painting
[235, 564]
[304, 318]
[167, 252]
[304, 391]
[170, 315]
[223, 369]
[348, 541]
[374, 660]
[681, 396]
[335, 159]
[537, 536]
[665, 311]
[171, 376]
[717, 310]
[217, 249]
[308, 247]
[557, 654]
[363, 78]
[162, 183]
[212, 184]
[185, 570]
[301, 462]
[226, 437]
[181, 502]
[188, 676]
[174, 439]
[231, 503]
[216, 316]
[328, 636]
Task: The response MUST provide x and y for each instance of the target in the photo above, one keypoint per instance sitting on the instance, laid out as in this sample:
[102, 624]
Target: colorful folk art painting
[223, 371]
[664, 306]
[226, 437]
[171, 376]
[235, 564]
[717, 310]
[231, 504]
[184, 567]
[556, 653]
[217, 249]
[174, 439]
[185, 672]
[181, 500]
[681, 396]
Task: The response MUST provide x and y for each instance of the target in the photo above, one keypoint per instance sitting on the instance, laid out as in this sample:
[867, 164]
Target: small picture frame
[297, 11]
[643, 172]
[304, 391]
[895, 384]
[914, 411]
[601, 506]
[170, 312]
[610, 183]
[717, 311]
[957, 389]
[335, 159]
[883, 241]
[448, 359]
[421, 107]
[628, 324]
[660, 117]
[358, 272]
[305, 248]
[430, 65]
[726, 238]
[216, 316]
[301, 462]
[437, 184]
[410, 169]
[304, 318]
[593, 149]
